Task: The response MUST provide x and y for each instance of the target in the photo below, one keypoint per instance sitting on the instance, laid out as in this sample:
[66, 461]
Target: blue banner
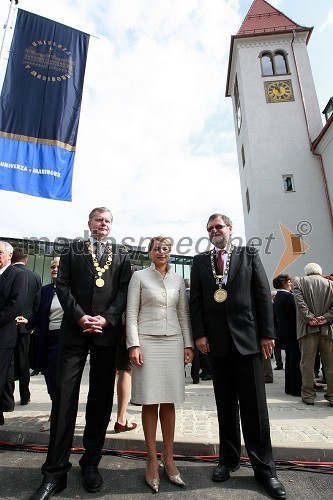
[40, 107]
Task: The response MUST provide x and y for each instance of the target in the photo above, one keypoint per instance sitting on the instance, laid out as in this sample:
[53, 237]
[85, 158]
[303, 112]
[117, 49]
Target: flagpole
[7, 26]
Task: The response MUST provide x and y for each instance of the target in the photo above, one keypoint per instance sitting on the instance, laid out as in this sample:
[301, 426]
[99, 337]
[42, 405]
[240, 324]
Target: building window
[280, 63]
[288, 183]
[267, 64]
[243, 155]
[248, 201]
[238, 110]
[297, 243]
[328, 111]
[274, 63]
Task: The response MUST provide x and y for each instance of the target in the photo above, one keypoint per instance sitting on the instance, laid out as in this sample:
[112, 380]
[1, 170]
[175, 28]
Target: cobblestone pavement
[299, 432]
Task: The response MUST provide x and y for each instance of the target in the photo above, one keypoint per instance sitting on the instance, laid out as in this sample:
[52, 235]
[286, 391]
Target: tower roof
[264, 18]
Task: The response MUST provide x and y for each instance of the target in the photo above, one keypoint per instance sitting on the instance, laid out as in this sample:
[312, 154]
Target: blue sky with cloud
[156, 139]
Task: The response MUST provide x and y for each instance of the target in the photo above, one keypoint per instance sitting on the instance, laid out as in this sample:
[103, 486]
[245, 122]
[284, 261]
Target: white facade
[276, 140]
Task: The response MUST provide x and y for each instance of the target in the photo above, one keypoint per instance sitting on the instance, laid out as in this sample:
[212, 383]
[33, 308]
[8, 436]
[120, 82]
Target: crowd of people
[303, 309]
[145, 325]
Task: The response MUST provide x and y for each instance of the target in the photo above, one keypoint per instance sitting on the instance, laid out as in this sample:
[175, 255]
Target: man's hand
[267, 346]
[21, 320]
[202, 344]
[135, 355]
[92, 324]
[318, 321]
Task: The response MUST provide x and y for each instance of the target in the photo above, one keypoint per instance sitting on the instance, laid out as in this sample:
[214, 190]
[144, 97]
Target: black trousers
[244, 399]
[200, 361]
[293, 376]
[71, 362]
[6, 355]
[22, 365]
[8, 400]
[50, 370]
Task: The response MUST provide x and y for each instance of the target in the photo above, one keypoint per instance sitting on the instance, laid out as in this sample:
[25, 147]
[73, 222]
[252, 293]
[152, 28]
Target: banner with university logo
[40, 107]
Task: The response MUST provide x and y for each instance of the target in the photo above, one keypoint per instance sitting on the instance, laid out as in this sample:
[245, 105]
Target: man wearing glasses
[232, 322]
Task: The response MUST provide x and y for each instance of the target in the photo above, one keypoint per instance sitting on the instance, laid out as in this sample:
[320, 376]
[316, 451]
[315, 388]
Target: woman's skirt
[161, 378]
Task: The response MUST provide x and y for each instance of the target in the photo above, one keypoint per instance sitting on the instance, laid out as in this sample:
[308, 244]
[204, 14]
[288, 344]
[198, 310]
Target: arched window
[274, 63]
[267, 64]
[280, 63]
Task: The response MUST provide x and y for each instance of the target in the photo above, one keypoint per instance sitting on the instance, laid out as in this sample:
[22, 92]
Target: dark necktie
[220, 262]
[99, 248]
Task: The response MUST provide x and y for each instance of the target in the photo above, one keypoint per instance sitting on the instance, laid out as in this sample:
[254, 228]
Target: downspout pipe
[319, 156]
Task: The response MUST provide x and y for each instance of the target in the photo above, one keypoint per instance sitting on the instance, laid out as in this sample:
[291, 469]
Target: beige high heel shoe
[175, 479]
[153, 484]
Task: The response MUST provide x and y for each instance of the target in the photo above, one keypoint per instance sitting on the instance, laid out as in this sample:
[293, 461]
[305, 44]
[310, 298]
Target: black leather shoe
[206, 377]
[47, 490]
[195, 380]
[92, 480]
[273, 487]
[24, 403]
[2, 420]
[222, 473]
[278, 368]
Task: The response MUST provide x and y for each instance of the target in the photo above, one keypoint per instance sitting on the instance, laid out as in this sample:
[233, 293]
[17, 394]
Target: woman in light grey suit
[159, 342]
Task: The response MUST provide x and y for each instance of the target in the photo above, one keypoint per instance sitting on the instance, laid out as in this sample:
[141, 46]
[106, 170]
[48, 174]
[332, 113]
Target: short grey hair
[55, 259]
[313, 268]
[8, 247]
[100, 209]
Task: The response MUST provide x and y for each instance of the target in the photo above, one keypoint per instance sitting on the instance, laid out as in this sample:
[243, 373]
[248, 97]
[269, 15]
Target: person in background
[46, 322]
[199, 360]
[13, 290]
[124, 369]
[314, 305]
[159, 342]
[285, 311]
[21, 359]
[278, 342]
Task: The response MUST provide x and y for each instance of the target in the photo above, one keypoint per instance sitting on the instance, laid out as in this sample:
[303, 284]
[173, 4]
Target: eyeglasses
[218, 227]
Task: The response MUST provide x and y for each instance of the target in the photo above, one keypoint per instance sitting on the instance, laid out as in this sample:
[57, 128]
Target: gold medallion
[220, 295]
[98, 269]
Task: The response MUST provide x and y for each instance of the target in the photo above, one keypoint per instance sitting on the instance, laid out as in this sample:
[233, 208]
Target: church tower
[287, 210]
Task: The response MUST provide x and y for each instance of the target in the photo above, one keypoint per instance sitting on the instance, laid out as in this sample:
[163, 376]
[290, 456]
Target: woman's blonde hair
[161, 239]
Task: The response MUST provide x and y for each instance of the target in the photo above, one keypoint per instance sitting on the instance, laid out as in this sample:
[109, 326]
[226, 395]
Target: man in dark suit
[21, 363]
[232, 320]
[92, 287]
[13, 289]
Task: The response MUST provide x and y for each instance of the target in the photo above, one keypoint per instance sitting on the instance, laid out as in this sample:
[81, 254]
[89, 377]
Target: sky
[156, 141]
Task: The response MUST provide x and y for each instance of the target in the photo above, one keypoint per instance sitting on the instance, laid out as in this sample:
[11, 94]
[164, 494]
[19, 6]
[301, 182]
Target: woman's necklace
[100, 270]
[162, 273]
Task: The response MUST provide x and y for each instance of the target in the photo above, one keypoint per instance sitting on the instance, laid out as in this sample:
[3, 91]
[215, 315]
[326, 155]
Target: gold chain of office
[100, 270]
[220, 295]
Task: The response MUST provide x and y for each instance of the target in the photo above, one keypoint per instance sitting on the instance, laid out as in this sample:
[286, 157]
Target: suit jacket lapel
[235, 262]
[87, 256]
